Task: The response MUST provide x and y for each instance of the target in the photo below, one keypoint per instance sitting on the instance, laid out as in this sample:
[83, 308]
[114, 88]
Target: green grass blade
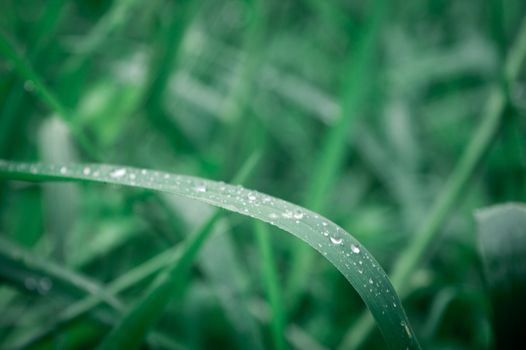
[335, 143]
[132, 329]
[27, 73]
[357, 265]
[449, 196]
[502, 244]
[25, 271]
[226, 274]
[271, 283]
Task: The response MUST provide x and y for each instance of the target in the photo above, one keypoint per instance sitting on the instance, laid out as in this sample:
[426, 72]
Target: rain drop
[336, 240]
[118, 173]
[298, 214]
[200, 188]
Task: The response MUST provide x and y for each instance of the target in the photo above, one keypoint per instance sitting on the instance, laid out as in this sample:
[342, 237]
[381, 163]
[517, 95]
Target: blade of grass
[449, 196]
[334, 147]
[356, 264]
[225, 272]
[132, 329]
[502, 245]
[26, 72]
[24, 270]
[89, 44]
[271, 283]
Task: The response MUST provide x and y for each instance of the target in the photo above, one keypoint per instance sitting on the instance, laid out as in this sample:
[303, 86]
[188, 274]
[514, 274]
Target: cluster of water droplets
[41, 285]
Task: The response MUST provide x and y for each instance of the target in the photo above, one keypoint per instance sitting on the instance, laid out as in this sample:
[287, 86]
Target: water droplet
[406, 328]
[86, 171]
[29, 86]
[324, 223]
[355, 248]
[118, 173]
[44, 285]
[30, 283]
[298, 214]
[371, 281]
[325, 233]
[273, 216]
[335, 240]
[132, 176]
[200, 188]
[251, 197]
[63, 170]
[287, 214]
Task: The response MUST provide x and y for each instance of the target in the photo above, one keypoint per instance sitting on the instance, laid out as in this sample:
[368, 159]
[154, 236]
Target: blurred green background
[359, 110]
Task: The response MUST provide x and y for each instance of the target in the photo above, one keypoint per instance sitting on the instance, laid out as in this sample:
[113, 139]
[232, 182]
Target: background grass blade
[335, 143]
[474, 153]
[339, 247]
[502, 243]
[271, 283]
[132, 329]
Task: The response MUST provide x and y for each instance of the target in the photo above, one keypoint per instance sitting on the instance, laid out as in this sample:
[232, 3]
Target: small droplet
[273, 215]
[335, 240]
[30, 283]
[355, 248]
[44, 285]
[287, 214]
[251, 197]
[118, 173]
[29, 86]
[200, 188]
[86, 171]
[63, 170]
[325, 233]
[371, 281]
[132, 176]
[298, 214]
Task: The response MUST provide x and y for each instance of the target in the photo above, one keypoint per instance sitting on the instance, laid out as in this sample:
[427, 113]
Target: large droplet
[335, 240]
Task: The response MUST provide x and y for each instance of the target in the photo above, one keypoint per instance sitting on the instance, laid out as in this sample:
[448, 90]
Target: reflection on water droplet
[86, 171]
[335, 240]
[118, 173]
[355, 248]
[30, 283]
[63, 170]
[298, 214]
[44, 285]
[287, 214]
[200, 188]
[29, 86]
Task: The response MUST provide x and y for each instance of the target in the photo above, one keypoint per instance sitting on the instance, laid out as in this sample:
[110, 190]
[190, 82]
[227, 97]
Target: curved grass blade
[502, 243]
[356, 264]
